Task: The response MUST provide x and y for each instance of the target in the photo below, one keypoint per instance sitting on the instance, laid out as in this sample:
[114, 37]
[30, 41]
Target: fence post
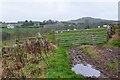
[108, 33]
[93, 39]
[54, 37]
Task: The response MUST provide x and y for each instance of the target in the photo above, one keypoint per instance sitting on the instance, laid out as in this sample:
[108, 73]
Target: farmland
[10, 35]
[29, 55]
[36, 62]
[59, 39]
[77, 37]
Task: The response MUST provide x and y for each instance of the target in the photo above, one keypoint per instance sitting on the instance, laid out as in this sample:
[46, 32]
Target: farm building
[99, 26]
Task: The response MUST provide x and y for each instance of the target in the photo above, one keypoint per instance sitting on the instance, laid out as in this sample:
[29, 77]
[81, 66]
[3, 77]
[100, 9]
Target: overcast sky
[39, 10]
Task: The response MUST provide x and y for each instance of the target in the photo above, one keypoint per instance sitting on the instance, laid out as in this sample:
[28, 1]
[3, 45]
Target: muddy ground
[104, 54]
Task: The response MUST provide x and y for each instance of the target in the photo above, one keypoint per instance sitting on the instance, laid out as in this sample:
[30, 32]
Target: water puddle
[86, 70]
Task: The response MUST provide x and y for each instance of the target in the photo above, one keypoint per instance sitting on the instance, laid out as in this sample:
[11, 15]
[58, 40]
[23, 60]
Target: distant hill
[80, 23]
[84, 22]
[90, 20]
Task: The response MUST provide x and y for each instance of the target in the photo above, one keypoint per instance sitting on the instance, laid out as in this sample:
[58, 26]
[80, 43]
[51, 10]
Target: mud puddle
[86, 70]
[105, 57]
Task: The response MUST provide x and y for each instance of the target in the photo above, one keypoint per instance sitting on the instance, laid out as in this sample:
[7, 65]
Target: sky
[62, 10]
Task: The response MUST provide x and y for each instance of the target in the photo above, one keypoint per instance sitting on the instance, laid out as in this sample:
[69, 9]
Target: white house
[61, 31]
[98, 26]
[68, 29]
[11, 25]
[106, 26]
[75, 29]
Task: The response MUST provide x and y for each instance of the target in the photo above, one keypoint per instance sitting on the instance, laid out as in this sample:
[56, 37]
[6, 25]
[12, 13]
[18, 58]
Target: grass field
[60, 36]
[58, 59]
[48, 32]
[58, 66]
[90, 36]
[20, 29]
[18, 33]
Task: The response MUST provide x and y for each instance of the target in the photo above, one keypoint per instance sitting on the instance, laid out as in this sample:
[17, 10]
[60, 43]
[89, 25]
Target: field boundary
[78, 37]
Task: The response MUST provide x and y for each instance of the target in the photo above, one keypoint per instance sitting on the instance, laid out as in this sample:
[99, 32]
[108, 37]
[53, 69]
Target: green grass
[21, 29]
[114, 43]
[22, 32]
[79, 32]
[27, 32]
[0, 43]
[50, 37]
[111, 64]
[82, 37]
[58, 66]
[8, 43]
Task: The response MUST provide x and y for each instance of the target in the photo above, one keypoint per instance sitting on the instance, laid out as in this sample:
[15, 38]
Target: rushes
[18, 56]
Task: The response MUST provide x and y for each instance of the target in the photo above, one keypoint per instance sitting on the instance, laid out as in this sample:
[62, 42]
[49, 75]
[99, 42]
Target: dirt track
[104, 54]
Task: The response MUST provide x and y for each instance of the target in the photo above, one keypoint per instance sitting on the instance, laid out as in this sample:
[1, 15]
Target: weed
[111, 64]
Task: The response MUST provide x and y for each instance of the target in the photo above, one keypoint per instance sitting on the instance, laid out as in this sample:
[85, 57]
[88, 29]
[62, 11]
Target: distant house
[11, 25]
[98, 26]
[106, 26]
[68, 30]
[75, 29]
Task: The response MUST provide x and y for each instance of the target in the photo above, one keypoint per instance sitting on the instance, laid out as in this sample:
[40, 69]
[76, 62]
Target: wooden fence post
[108, 33]
[93, 39]
[54, 37]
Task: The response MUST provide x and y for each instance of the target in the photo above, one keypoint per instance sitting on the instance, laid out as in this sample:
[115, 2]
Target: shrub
[6, 36]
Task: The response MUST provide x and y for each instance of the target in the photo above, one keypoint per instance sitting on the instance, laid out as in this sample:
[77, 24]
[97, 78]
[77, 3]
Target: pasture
[78, 37]
[10, 35]
[32, 56]
[36, 58]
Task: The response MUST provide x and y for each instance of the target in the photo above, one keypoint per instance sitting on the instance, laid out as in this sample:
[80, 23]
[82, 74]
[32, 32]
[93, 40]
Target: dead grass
[115, 37]
[91, 50]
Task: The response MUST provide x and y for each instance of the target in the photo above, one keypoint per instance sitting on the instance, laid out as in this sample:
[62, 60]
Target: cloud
[14, 10]
[59, 0]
